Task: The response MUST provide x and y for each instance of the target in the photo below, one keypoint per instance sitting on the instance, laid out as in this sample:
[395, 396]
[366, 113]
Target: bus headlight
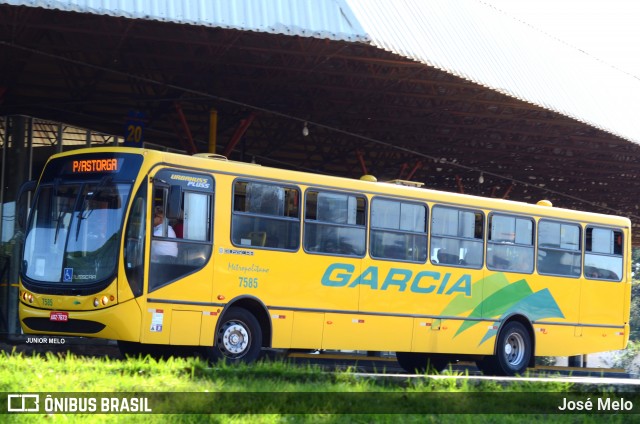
[103, 300]
[27, 297]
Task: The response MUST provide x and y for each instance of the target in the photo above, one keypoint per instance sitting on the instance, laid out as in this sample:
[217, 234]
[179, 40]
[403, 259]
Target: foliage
[628, 358]
[314, 385]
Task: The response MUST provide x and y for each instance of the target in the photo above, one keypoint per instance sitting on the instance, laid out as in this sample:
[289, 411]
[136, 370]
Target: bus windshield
[74, 232]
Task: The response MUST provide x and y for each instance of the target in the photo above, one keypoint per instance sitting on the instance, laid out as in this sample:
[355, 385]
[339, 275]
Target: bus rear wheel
[238, 339]
[419, 363]
[513, 352]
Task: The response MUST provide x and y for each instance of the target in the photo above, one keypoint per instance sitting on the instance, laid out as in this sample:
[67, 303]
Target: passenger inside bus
[162, 251]
[178, 225]
[447, 258]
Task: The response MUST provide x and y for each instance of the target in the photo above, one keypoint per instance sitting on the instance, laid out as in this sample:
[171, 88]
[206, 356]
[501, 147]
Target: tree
[627, 358]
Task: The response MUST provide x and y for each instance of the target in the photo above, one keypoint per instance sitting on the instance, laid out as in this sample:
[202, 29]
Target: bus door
[179, 269]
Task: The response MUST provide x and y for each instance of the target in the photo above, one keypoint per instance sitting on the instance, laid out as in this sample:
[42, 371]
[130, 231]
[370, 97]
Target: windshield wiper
[56, 187]
[58, 220]
[103, 182]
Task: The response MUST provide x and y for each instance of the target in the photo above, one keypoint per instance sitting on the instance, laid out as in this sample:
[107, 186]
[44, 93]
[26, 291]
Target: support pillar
[17, 159]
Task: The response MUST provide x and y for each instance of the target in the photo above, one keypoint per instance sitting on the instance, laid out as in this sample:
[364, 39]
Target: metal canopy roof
[366, 108]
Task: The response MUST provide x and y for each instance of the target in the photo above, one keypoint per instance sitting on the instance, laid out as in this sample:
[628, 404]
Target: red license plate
[59, 316]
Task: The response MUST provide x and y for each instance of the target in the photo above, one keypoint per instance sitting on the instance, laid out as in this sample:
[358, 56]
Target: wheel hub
[235, 338]
[508, 349]
[514, 349]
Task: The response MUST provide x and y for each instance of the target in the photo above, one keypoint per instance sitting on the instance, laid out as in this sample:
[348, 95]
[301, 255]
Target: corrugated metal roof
[473, 40]
[330, 19]
[466, 38]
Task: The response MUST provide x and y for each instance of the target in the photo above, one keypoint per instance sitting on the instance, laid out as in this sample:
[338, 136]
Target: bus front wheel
[238, 339]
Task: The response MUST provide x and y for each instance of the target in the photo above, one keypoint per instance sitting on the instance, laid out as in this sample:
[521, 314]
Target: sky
[606, 29]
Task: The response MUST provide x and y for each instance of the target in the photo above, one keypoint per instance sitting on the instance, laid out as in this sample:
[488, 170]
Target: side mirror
[174, 202]
[21, 209]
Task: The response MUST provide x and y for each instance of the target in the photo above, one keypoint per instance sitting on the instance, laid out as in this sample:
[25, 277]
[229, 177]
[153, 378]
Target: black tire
[419, 363]
[514, 350]
[238, 338]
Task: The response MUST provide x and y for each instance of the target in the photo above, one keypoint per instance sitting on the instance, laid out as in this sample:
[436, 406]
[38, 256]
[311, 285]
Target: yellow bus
[156, 249]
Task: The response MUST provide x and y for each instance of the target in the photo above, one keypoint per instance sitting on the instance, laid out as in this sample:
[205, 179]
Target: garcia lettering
[400, 279]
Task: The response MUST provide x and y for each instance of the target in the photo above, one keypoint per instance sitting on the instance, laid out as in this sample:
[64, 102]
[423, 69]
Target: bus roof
[217, 163]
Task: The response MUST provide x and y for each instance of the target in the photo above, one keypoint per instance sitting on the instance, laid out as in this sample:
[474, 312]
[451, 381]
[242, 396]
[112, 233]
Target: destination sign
[95, 165]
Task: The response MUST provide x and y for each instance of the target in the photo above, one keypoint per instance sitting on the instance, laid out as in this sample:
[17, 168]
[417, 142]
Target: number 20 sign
[134, 129]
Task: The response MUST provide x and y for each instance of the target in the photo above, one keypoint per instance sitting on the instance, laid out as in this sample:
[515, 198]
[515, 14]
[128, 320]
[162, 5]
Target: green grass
[267, 389]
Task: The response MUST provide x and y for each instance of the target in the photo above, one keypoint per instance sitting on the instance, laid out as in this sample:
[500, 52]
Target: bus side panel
[185, 327]
[366, 332]
[293, 284]
[409, 289]
[603, 303]
[553, 340]
[158, 326]
[208, 327]
[557, 340]
[537, 298]
[423, 334]
[282, 322]
[598, 339]
[463, 337]
[443, 292]
[393, 288]
[156, 319]
[307, 330]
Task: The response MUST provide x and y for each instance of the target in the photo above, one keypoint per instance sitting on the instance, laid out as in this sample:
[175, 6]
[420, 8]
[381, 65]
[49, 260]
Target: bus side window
[510, 243]
[603, 257]
[559, 248]
[398, 230]
[196, 221]
[265, 215]
[335, 223]
[457, 237]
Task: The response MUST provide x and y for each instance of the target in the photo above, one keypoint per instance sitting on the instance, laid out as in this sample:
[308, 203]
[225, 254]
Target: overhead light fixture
[305, 130]
[481, 178]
